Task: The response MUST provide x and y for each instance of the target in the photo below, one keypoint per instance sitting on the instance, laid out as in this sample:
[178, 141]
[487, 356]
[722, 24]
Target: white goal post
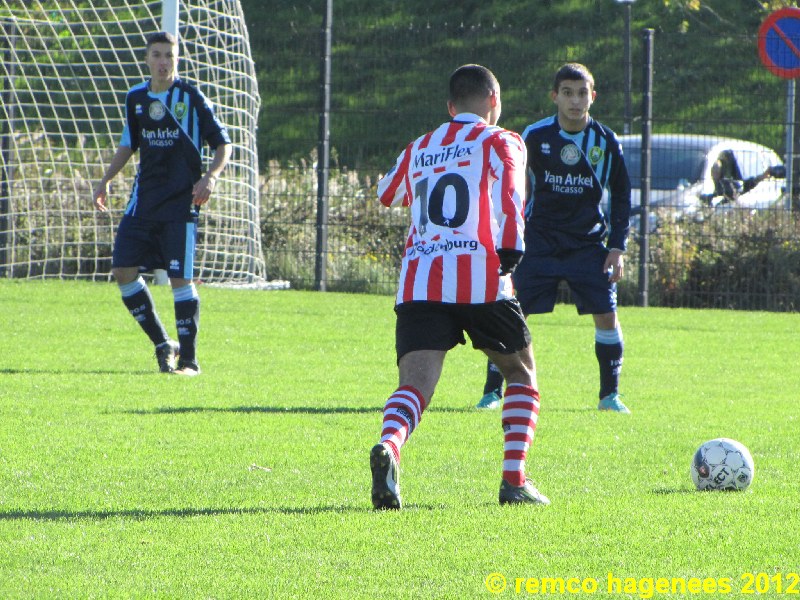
[66, 67]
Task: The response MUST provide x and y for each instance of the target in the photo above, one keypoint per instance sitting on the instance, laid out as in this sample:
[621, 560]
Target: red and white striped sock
[401, 416]
[520, 413]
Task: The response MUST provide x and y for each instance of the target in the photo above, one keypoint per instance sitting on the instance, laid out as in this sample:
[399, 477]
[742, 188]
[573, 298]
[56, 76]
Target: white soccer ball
[722, 464]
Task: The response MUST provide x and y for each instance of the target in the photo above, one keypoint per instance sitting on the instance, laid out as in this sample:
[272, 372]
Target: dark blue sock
[494, 380]
[187, 320]
[137, 298]
[608, 348]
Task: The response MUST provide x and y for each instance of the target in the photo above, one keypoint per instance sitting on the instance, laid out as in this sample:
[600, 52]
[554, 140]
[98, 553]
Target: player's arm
[128, 144]
[619, 185]
[619, 226]
[391, 187]
[216, 136]
[119, 160]
[202, 190]
[614, 265]
[508, 161]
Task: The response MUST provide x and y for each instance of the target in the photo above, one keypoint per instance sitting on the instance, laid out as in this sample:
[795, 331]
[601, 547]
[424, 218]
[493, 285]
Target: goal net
[66, 68]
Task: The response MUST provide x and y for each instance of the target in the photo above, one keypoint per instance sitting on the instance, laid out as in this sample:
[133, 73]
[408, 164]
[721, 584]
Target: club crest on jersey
[596, 154]
[180, 110]
[570, 154]
[157, 111]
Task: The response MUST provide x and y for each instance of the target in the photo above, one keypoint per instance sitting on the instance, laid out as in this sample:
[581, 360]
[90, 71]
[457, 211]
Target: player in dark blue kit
[168, 121]
[572, 159]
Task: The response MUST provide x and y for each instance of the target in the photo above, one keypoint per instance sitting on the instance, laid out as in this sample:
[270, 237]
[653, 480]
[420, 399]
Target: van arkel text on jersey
[424, 159]
[571, 184]
[160, 137]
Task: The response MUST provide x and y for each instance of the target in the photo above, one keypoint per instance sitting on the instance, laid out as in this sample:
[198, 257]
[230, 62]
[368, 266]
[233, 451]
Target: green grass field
[252, 480]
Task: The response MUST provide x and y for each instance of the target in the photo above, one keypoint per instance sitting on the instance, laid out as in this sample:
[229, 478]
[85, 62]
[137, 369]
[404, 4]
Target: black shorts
[498, 326]
[147, 244]
[537, 277]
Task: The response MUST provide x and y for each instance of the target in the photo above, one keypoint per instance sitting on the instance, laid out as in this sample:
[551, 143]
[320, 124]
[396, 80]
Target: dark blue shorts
[498, 326]
[537, 277]
[151, 245]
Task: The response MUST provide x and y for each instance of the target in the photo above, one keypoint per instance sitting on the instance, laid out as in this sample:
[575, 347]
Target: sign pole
[779, 51]
[791, 90]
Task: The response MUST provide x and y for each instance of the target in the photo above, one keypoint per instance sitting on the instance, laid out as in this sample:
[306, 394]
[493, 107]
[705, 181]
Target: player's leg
[423, 334]
[178, 246]
[609, 349]
[519, 418]
[502, 334]
[130, 248]
[597, 296]
[536, 281]
[492, 388]
[419, 372]
[187, 322]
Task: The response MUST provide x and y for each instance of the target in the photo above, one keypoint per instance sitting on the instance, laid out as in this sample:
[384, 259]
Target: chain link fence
[389, 85]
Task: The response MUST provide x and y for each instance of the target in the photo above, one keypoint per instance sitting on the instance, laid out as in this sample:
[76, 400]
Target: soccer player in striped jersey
[168, 121]
[573, 160]
[464, 184]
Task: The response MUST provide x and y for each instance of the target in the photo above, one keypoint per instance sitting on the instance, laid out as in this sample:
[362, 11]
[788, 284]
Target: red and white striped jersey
[465, 184]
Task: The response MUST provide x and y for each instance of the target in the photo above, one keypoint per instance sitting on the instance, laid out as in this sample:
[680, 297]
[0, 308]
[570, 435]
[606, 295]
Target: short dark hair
[470, 82]
[573, 72]
[161, 37]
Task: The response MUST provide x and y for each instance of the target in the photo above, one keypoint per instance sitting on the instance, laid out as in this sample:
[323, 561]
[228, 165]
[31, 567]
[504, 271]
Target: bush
[731, 258]
[364, 238]
[717, 258]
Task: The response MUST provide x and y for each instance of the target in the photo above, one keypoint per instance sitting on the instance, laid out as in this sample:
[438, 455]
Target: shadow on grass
[143, 514]
[668, 491]
[309, 410]
[73, 371]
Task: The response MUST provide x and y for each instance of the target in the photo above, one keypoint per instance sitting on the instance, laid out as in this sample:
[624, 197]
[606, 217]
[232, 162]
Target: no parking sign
[779, 43]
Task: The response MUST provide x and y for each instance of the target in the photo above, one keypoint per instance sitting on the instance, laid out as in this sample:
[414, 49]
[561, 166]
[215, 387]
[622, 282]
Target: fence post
[324, 151]
[644, 203]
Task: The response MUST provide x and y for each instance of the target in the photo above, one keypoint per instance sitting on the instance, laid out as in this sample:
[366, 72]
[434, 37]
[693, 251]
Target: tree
[734, 16]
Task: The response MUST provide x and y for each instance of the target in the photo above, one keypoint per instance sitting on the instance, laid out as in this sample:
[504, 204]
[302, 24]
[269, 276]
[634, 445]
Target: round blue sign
[779, 43]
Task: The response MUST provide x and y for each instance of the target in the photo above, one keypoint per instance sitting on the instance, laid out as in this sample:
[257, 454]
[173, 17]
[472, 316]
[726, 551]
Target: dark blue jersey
[168, 130]
[568, 174]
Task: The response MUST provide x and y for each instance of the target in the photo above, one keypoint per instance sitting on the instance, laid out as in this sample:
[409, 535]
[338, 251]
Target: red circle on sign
[769, 26]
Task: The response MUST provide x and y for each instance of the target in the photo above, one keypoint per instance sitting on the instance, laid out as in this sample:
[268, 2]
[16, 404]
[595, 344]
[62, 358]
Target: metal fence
[389, 85]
